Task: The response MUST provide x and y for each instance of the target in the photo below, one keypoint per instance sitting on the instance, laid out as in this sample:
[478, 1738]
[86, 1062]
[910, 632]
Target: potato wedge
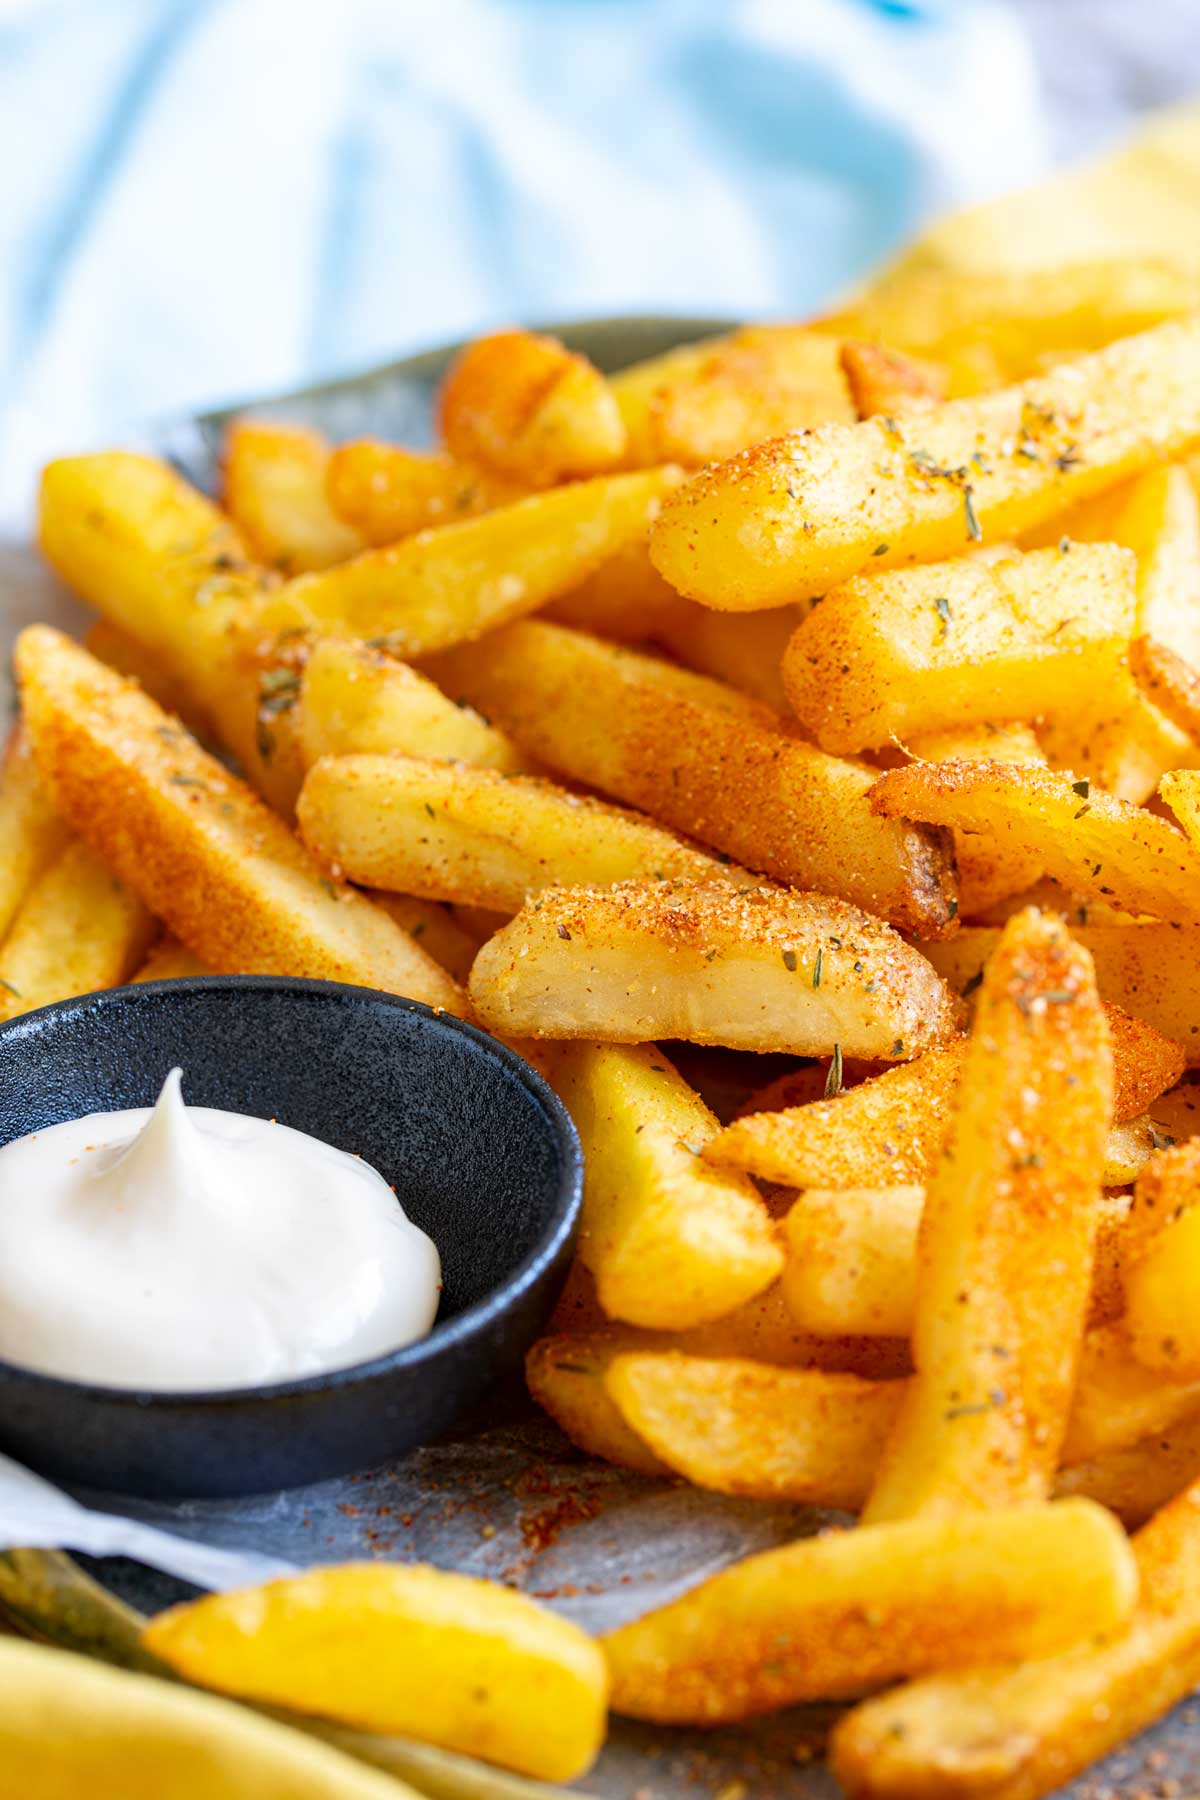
[1169, 682]
[1095, 845]
[565, 1375]
[888, 1130]
[989, 871]
[852, 1253]
[671, 1241]
[713, 962]
[524, 405]
[453, 584]
[385, 493]
[70, 1725]
[31, 832]
[741, 1427]
[199, 848]
[273, 488]
[716, 397]
[955, 644]
[1007, 1239]
[1017, 1733]
[355, 700]
[408, 1650]
[705, 760]
[169, 960]
[801, 515]
[888, 381]
[849, 1610]
[77, 929]
[1162, 1274]
[474, 836]
[1111, 731]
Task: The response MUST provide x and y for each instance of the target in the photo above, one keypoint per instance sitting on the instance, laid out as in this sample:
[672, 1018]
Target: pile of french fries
[830, 690]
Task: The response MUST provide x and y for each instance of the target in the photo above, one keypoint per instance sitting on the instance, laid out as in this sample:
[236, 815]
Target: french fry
[411, 1651]
[78, 929]
[852, 1253]
[746, 653]
[1162, 1273]
[385, 493]
[887, 1131]
[1017, 1733]
[1089, 841]
[626, 598]
[1007, 1239]
[1169, 682]
[565, 1375]
[958, 643]
[273, 488]
[989, 871]
[713, 963]
[113, 646]
[888, 381]
[832, 1615]
[453, 584]
[1018, 316]
[705, 760]
[445, 831]
[1111, 730]
[711, 399]
[1134, 1480]
[31, 832]
[354, 700]
[1118, 1401]
[801, 515]
[72, 1722]
[223, 872]
[671, 1241]
[436, 929]
[523, 404]
[169, 960]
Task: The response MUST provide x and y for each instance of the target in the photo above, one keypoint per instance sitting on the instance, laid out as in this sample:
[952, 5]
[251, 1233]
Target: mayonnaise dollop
[180, 1247]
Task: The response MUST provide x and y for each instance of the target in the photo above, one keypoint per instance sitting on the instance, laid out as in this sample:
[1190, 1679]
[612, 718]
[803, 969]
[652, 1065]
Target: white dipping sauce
[180, 1247]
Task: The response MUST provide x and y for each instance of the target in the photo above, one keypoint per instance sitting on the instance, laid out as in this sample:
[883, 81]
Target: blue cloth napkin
[209, 198]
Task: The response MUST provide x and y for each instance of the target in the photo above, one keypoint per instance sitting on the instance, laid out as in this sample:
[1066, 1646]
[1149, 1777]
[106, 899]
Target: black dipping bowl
[484, 1158]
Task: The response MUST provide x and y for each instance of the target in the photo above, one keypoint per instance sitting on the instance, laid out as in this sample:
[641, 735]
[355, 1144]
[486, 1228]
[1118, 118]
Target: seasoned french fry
[959, 643]
[525, 405]
[565, 1375]
[799, 516]
[1162, 1273]
[413, 1651]
[1110, 730]
[200, 849]
[887, 381]
[713, 398]
[626, 598]
[386, 493]
[888, 1130]
[31, 832]
[451, 585]
[1134, 1480]
[273, 488]
[1118, 1401]
[832, 1615]
[113, 646]
[989, 871]
[1017, 1733]
[449, 832]
[1019, 316]
[170, 961]
[746, 653]
[1007, 1239]
[436, 929]
[705, 760]
[852, 1253]
[714, 963]
[77, 929]
[1169, 681]
[355, 700]
[1091, 842]
[671, 1241]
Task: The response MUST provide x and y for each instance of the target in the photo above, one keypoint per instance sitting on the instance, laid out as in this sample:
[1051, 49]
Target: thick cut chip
[406, 1651]
[565, 1375]
[1007, 1239]
[832, 1615]
[526, 406]
[1162, 1276]
[31, 832]
[77, 930]
[959, 643]
[386, 493]
[445, 831]
[453, 584]
[989, 872]
[715, 962]
[852, 1254]
[1092, 843]
[802, 514]
[1019, 1732]
[201, 850]
[707, 761]
[273, 488]
[745, 653]
[671, 1241]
